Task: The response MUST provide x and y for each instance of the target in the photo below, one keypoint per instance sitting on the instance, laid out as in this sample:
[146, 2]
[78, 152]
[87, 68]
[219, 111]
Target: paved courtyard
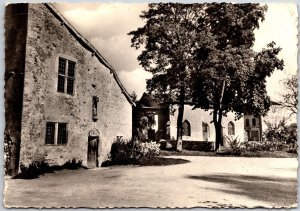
[203, 182]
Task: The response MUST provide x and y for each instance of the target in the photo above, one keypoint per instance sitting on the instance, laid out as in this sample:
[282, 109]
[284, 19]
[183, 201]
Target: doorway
[93, 143]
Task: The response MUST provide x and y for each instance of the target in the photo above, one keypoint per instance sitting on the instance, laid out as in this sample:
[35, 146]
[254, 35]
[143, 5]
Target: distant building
[63, 100]
[197, 124]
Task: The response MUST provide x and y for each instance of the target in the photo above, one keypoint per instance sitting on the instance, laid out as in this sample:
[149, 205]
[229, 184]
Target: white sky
[106, 26]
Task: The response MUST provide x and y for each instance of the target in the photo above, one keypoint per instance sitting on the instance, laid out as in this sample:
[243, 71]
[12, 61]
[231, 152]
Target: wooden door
[92, 152]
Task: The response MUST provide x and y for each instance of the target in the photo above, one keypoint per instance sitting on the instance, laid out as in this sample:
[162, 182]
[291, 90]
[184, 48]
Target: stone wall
[197, 117]
[48, 39]
[15, 44]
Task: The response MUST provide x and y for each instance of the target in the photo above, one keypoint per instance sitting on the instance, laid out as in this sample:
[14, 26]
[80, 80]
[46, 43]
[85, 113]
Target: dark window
[70, 86]
[61, 84]
[56, 133]
[71, 69]
[62, 133]
[62, 66]
[253, 122]
[186, 128]
[231, 128]
[50, 132]
[66, 78]
[247, 123]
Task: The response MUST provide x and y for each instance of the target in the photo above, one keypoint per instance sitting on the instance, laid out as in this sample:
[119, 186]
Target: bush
[34, 170]
[254, 146]
[234, 146]
[133, 151]
[37, 168]
[73, 164]
[281, 132]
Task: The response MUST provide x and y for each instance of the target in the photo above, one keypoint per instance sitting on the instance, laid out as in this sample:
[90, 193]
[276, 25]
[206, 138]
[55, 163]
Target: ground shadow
[278, 191]
[156, 161]
[162, 161]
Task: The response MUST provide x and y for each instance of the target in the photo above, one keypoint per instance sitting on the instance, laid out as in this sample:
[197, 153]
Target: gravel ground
[204, 182]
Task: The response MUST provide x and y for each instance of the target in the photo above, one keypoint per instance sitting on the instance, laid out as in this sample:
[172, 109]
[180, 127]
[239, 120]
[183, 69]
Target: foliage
[40, 167]
[203, 53]
[134, 96]
[72, 164]
[133, 151]
[168, 38]
[234, 145]
[7, 153]
[34, 170]
[289, 99]
[254, 146]
[281, 132]
[231, 76]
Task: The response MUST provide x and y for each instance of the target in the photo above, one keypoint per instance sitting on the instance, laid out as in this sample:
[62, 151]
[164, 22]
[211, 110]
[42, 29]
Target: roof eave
[86, 44]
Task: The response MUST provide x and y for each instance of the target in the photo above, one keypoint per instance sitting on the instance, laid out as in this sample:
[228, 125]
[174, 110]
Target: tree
[289, 99]
[134, 96]
[169, 40]
[230, 76]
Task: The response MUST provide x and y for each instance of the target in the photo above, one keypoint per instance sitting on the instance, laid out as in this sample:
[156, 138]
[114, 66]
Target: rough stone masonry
[36, 37]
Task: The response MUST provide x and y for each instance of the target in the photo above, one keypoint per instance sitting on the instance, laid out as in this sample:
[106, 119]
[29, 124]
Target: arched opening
[231, 129]
[205, 131]
[186, 128]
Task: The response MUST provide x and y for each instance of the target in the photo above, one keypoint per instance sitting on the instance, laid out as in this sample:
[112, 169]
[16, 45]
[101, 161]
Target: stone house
[63, 100]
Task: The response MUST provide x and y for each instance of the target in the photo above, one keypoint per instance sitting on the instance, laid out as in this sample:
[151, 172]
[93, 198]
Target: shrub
[281, 132]
[254, 146]
[133, 151]
[40, 167]
[147, 151]
[122, 151]
[34, 170]
[234, 145]
[73, 164]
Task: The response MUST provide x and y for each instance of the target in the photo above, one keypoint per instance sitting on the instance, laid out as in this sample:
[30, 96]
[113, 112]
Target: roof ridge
[89, 47]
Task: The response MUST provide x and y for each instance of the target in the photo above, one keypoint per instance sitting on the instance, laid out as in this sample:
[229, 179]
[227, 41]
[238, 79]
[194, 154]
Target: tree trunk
[217, 118]
[180, 119]
[218, 128]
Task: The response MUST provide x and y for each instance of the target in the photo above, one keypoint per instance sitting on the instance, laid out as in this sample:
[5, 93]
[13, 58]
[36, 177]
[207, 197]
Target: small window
[62, 133]
[186, 128]
[56, 133]
[66, 76]
[50, 132]
[231, 128]
[253, 122]
[247, 123]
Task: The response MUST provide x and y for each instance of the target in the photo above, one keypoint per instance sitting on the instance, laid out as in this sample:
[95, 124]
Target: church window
[186, 128]
[205, 131]
[231, 128]
[66, 76]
